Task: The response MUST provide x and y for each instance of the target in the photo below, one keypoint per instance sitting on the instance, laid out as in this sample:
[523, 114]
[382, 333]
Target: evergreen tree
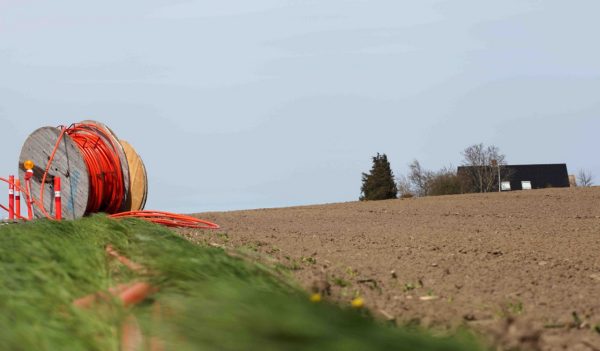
[379, 184]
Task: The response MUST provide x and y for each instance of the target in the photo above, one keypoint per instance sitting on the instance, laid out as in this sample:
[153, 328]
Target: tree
[379, 183]
[422, 182]
[419, 178]
[585, 178]
[445, 182]
[482, 164]
[405, 187]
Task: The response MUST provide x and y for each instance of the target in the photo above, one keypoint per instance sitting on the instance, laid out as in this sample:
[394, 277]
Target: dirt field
[522, 268]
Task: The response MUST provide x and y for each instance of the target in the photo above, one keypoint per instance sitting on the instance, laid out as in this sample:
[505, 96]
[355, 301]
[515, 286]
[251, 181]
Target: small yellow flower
[358, 302]
[315, 297]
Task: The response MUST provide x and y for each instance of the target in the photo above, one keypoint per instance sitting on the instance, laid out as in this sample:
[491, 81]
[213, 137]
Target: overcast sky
[238, 104]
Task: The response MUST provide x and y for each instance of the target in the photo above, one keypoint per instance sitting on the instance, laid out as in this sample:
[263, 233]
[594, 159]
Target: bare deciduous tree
[419, 178]
[405, 188]
[422, 182]
[481, 175]
[585, 178]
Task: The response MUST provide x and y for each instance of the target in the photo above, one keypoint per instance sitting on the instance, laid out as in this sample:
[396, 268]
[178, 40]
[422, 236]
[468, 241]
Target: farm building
[533, 176]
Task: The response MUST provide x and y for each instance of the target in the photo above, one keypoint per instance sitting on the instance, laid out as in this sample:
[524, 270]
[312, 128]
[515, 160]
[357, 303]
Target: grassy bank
[206, 300]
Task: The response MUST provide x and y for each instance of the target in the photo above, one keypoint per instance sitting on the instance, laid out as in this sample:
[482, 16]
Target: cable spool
[98, 172]
[93, 166]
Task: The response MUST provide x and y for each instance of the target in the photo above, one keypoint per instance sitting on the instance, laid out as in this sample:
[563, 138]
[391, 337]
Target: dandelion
[358, 302]
[315, 297]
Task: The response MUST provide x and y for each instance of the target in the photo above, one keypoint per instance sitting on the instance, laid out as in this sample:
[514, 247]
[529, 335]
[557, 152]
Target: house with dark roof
[532, 176]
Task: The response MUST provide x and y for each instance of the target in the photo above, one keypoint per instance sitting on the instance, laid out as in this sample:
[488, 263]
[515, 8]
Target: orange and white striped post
[11, 197]
[18, 198]
[57, 200]
[28, 175]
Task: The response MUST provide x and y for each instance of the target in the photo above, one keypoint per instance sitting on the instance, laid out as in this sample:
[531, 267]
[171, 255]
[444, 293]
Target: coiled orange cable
[107, 189]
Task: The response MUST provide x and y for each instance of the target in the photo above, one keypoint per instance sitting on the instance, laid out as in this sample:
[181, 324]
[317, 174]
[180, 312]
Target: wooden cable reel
[70, 166]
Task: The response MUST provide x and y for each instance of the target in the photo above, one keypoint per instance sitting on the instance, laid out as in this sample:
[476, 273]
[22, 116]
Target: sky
[237, 104]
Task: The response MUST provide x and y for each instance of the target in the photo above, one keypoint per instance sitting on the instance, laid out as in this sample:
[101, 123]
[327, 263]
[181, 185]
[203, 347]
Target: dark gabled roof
[547, 175]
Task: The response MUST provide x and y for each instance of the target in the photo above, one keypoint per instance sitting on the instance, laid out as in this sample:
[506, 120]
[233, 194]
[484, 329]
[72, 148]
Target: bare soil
[521, 268]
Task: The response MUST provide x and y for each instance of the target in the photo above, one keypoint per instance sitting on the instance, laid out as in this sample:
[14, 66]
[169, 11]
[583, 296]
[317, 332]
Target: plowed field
[522, 268]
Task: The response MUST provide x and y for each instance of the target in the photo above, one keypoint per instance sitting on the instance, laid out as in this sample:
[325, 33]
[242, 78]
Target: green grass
[208, 300]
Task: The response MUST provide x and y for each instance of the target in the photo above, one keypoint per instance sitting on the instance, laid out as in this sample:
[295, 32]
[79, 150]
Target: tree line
[480, 174]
